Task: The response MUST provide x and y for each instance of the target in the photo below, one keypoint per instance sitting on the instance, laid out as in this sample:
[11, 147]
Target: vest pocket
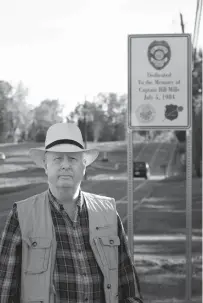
[108, 246]
[38, 254]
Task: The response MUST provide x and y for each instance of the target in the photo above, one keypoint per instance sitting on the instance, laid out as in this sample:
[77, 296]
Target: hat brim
[37, 154]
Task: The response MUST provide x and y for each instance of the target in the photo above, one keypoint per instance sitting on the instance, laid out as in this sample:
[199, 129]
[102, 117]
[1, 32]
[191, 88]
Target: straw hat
[64, 138]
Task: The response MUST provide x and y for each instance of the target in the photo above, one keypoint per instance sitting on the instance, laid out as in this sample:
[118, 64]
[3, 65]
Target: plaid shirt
[77, 276]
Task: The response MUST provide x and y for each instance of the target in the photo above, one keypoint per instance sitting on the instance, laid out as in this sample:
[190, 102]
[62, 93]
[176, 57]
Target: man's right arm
[10, 259]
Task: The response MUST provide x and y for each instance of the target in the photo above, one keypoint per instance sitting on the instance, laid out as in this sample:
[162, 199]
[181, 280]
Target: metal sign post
[130, 192]
[189, 172]
[160, 98]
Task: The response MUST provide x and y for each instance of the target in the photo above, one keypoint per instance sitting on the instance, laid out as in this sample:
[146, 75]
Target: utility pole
[197, 26]
[182, 23]
[188, 251]
[85, 123]
[85, 129]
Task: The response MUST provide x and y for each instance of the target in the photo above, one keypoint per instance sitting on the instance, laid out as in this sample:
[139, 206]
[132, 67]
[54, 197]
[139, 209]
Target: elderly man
[66, 245]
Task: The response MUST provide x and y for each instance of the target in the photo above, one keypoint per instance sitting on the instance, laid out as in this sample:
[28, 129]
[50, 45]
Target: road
[17, 158]
[159, 221]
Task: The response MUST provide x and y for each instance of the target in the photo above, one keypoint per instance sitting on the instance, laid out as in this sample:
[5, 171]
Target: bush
[181, 135]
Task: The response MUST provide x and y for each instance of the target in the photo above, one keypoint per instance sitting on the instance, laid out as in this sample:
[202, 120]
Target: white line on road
[149, 193]
[141, 151]
[136, 188]
[155, 154]
[151, 161]
[171, 160]
[141, 184]
[125, 201]
[137, 205]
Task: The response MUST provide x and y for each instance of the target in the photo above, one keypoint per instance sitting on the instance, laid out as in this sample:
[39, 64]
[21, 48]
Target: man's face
[64, 169]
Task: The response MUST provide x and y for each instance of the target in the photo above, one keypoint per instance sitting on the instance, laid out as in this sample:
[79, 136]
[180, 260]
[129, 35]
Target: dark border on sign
[189, 89]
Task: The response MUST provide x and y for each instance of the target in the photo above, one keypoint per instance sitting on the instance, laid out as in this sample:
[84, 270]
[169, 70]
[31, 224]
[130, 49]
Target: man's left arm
[128, 282]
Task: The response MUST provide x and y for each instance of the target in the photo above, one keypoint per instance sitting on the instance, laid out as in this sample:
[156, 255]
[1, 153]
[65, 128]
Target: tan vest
[39, 246]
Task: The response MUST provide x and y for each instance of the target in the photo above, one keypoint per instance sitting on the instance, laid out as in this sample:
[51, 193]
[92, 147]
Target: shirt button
[108, 286]
[111, 241]
[34, 244]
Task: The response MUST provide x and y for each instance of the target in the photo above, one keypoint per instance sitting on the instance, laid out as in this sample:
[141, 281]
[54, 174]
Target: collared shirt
[77, 276]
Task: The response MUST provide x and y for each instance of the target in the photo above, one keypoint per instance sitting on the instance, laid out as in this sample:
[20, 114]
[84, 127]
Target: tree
[44, 115]
[115, 118]
[106, 118]
[181, 135]
[5, 98]
[14, 118]
[48, 112]
[91, 114]
[197, 74]
[18, 111]
[97, 118]
[196, 112]
[197, 141]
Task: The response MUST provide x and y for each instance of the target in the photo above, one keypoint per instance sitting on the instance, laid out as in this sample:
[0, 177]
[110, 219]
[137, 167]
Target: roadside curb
[8, 144]
[179, 177]
[172, 300]
[115, 168]
[8, 190]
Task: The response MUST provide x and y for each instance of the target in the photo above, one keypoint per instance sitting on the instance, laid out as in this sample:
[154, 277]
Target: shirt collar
[59, 206]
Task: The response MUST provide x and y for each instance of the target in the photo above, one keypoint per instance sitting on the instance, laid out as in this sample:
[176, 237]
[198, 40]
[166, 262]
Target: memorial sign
[159, 82]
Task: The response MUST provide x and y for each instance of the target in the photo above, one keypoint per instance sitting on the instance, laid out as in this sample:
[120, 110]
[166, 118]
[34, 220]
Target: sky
[74, 49]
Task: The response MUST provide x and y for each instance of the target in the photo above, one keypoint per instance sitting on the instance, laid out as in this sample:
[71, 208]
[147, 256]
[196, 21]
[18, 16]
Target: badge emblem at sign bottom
[145, 113]
[172, 110]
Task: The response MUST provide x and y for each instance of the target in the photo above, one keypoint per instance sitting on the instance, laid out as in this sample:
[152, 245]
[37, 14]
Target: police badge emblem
[145, 113]
[159, 54]
[171, 111]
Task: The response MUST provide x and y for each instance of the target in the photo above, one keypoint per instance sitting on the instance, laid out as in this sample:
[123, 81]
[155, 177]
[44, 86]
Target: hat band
[64, 141]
